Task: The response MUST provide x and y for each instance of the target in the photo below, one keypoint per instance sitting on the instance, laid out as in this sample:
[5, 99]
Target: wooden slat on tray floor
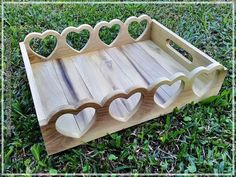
[141, 54]
[94, 80]
[126, 67]
[165, 60]
[51, 93]
[118, 79]
[147, 67]
[144, 63]
[74, 89]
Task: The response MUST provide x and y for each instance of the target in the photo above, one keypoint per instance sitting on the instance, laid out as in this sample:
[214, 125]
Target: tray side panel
[42, 118]
[94, 42]
[105, 124]
[161, 35]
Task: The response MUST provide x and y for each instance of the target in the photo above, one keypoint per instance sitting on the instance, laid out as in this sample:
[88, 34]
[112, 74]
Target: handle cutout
[176, 48]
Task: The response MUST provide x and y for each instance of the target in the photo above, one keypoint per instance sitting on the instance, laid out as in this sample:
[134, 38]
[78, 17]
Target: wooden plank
[94, 80]
[164, 93]
[171, 91]
[165, 60]
[145, 65]
[121, 60]
[42, 118]
[74, 89]
[52, 95]
[94, 42]
[160, 35]
[118, 80]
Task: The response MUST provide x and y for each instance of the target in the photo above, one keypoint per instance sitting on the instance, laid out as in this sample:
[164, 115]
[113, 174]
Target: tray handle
[162, 36]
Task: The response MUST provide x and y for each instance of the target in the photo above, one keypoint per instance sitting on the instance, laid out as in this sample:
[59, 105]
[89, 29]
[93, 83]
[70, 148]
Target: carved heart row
[180, 79]
[94, 38]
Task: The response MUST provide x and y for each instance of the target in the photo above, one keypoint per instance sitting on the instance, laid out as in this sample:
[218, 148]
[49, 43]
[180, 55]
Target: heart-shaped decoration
[76, 126]
[108, 34]
[203, 82]
[136, 29]
[45, 46]
[42, 45]
[138, 26]
[123, 109]
[167, 93]
[78, 40]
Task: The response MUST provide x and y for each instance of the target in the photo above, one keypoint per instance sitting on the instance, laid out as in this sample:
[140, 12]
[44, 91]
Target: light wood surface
[83, 95]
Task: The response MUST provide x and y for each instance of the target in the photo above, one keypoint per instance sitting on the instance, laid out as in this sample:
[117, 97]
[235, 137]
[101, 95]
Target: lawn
[194, 139]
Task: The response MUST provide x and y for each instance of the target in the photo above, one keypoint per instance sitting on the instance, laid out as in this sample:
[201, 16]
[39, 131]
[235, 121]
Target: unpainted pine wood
[102, 63]
[119, 80]
[162, 35]
[75, 90]
[94, 42]
[167, 92]
[33, 87]
[106, 125]
[167, 61]
[144, 63]
[175, 88]
[204, 82]
[104, 66]
[109, 77]
[52, 95]
[163, 58]
[126, 67]
[147, 65]
[96, 84]
[172, 65]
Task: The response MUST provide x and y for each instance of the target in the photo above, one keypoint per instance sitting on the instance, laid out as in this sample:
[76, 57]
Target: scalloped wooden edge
[157, 33]
[94, 42]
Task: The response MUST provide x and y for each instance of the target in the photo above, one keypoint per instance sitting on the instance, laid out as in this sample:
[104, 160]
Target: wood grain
[83, 95]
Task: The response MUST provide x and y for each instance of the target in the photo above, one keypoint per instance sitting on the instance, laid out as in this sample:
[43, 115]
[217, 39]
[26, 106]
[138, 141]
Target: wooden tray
[83, 95]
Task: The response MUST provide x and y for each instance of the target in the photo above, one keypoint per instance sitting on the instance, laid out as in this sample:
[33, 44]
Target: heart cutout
[76, 126]
[203, 82]
[136, 29]
[76, 40]
[43, 46]
[123, 109]
[108, 34]
[166, 94]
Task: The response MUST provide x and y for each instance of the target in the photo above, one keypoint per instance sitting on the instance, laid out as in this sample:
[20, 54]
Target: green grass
[194, 139]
